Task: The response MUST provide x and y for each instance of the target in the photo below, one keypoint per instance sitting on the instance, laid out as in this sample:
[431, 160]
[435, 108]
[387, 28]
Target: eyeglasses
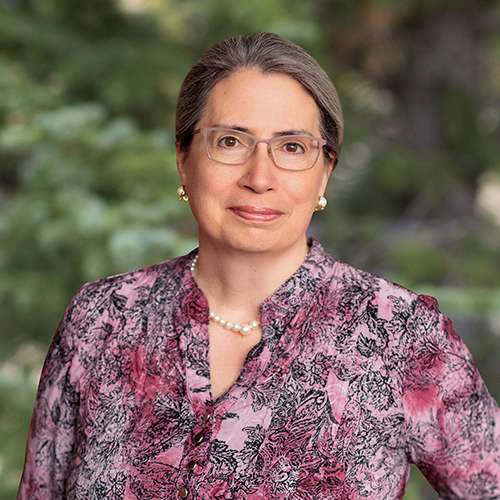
[289, 152]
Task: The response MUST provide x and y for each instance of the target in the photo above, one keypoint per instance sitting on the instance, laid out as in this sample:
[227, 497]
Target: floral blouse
[354, 379]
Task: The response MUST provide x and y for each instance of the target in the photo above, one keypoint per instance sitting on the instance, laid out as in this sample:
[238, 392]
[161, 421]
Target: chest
[299, 418]
[227, 353]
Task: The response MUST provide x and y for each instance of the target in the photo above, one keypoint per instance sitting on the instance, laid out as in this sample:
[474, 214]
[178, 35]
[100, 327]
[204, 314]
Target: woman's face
[254, 207]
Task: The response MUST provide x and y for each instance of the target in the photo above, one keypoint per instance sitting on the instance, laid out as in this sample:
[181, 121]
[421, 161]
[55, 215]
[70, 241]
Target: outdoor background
[87, 168]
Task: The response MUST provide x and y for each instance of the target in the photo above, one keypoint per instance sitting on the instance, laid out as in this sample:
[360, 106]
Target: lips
[256, 214]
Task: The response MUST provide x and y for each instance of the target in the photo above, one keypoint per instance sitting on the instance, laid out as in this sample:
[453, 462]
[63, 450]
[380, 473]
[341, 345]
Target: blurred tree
[419, 83]
[87, 174]
[86, 187]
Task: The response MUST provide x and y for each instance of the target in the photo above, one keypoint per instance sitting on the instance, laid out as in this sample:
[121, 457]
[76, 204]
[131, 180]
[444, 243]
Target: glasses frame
[204, 130]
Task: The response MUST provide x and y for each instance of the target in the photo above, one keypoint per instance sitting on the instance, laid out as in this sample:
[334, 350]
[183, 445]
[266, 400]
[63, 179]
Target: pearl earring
[321, 204]
[182, 194]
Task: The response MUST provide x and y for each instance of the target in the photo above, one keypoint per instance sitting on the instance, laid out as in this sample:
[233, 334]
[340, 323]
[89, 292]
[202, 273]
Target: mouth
[256, 214]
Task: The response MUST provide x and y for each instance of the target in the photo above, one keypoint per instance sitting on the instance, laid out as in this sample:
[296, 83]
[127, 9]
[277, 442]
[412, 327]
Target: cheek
[306, 193]
[191, 162]
[207, 189]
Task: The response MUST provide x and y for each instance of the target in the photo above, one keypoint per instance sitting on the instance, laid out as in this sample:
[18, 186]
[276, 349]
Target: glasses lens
[228, 146]
[290, 152]
[295, 152]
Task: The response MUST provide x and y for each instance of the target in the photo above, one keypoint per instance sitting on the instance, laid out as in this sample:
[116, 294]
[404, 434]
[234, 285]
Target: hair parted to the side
[268, 53]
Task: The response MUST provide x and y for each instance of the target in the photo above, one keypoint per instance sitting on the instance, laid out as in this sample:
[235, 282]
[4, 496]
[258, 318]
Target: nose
[260, 171]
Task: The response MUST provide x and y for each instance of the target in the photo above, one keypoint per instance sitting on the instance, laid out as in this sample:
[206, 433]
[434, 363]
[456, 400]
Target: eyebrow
[277, 134]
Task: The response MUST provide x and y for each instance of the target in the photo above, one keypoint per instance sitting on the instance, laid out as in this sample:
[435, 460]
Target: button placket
[198, 438]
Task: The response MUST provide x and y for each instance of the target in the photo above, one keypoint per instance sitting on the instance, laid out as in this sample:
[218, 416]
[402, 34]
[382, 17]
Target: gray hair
[269, 53]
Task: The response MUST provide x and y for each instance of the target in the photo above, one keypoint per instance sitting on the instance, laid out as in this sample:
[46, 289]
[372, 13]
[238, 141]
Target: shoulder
[354, 286]
[139, 278]
[401, 323]
[362, 300]
[115, 309]
[353, 283]
[124, 298]
[132, 286]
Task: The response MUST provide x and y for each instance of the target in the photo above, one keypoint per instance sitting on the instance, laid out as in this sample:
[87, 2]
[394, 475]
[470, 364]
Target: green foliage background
[87, 165]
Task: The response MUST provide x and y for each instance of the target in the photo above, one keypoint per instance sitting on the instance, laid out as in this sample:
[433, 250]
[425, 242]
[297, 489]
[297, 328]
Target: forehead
[261, 103]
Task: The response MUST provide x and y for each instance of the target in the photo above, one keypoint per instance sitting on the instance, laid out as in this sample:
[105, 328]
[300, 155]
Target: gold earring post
[181, 191]
[321, 204]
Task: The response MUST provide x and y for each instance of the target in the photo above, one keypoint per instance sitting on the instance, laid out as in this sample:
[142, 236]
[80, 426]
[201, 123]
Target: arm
[453, 422]
[52, 432]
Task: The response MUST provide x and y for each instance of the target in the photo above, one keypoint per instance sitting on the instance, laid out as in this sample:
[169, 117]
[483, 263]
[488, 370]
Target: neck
[236, 283]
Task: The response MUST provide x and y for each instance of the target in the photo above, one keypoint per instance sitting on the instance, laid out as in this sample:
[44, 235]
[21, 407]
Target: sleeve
[453, 423]
[51, 437]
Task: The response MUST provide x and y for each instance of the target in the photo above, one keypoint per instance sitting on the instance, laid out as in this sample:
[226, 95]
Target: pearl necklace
[244, 329]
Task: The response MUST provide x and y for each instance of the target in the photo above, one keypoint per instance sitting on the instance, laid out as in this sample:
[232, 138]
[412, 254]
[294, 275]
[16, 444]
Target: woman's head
[258, 204]
[269, 53]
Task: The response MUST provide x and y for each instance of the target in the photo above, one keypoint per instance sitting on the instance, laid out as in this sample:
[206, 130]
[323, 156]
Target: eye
[228, 141]
[292, 147]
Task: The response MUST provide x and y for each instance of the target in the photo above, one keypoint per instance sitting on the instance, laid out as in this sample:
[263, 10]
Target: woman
[320, 381]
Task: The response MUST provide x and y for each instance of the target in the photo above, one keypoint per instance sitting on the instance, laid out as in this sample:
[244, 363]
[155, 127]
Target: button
[191, 465]
[183, 492]
[198, 438]
[207, 417]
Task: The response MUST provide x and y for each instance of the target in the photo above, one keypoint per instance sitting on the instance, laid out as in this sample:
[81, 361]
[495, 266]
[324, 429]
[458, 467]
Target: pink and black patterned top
[355, 377]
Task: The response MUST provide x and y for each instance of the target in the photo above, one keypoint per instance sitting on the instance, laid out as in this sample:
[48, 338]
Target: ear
[332, 163]
[180, 157]
[329, 168]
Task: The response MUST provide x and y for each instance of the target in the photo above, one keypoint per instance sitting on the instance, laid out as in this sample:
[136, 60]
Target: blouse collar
[296, 294]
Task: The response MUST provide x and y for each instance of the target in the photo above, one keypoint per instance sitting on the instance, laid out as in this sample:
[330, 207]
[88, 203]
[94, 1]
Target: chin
[260, 242]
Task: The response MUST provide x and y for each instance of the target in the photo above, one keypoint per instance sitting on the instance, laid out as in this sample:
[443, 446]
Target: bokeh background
[87, 168]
